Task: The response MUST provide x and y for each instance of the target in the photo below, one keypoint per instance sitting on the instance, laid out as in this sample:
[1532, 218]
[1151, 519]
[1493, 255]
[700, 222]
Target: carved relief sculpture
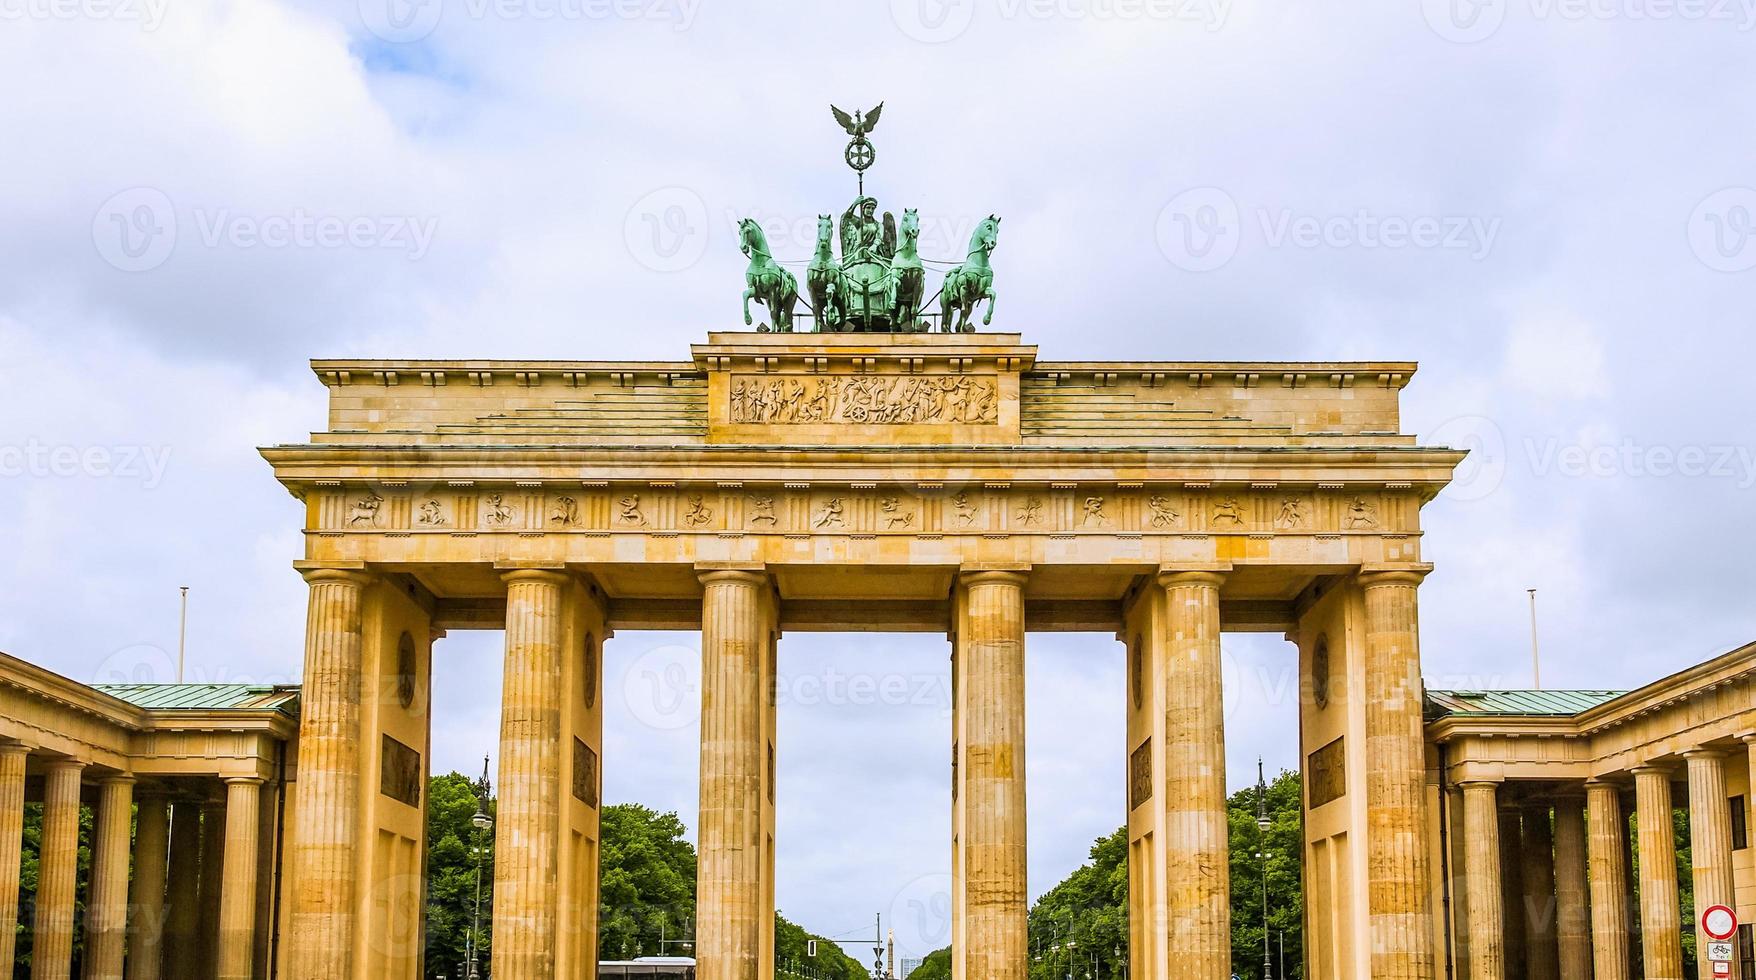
[499, 511]
[628, 511]
[365, 510]
[1361, 514]
[866, 400]
[431, 514]
[762, 509]
[698, 514]
[565, 512]
[1291, 515]
[965, 510]
[830, 515]
[894, 515]
[1164, 514]
[1228, 513]
[1031, 514]
[1094, 515]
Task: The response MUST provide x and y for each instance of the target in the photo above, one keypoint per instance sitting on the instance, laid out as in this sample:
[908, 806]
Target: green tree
[1283, 846]
[452, 839]
[935, 966]
[647, 871]
[29, 868]
[792, 947]
[1080, 926]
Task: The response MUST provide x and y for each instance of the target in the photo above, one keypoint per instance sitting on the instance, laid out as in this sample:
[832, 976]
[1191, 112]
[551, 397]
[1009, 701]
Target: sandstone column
[731, 886]
[1609, 880]
[1710, 844]
[1487, 940]
[183, 893]
[1399, 886]
[237, 913]
[990, 796]
[106, 908]
[526, 832]
[52, 947]
[1572, 915]
[12, 756]
[324, 852]
[1539, 893]
[1660, 916]
[1197, 862]
[147, 895]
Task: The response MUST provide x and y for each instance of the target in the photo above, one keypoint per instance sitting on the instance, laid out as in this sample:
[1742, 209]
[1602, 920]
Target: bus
[664, 967]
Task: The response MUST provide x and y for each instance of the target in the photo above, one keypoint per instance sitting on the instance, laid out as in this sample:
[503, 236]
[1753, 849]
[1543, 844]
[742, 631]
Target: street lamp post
[483, 823]
[1262, 825]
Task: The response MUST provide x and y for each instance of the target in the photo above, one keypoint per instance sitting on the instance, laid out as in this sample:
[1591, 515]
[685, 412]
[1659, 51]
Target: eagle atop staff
[860, 123]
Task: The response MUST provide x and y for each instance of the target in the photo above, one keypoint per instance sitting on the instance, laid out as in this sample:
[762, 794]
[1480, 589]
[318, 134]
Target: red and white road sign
[1719, 922]
[1722, 968]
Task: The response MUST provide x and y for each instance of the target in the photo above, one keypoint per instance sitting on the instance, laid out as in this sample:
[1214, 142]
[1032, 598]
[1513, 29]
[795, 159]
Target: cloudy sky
[1548, 203]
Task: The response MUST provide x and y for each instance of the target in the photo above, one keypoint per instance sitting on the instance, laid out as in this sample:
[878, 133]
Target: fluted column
[1710, 844]
[237, 914]
[324, 853]
[1572, 914]
[1539, 894]
[146, 896]
[1399, 886]
[12, 757]
[1660, 916]
[1608, 868]
[1197, 865]
[730, 896]
[182, 951]
[526, 832]
[106, 908]
[1487, 940]
[52, 946]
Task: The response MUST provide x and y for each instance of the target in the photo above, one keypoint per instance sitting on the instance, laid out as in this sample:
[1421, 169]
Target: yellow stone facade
[930, 483]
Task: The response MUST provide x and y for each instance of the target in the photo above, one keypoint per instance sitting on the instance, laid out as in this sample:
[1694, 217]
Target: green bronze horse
[909, 276]
[771, 285]
[823, 279]
[971, 282]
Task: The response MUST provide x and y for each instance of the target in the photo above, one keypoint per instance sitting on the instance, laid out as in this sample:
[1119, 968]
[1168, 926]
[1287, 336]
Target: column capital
[13, 748]
[349, 572]
[1375, 574]
[1653, 769]
[1607, 781]
[1208, 573]
[736, 573]
[243, 780]
[65, 763]
[993, 575]
[116, 779]
[1479, 783]
[1703, 752]
[515, 574]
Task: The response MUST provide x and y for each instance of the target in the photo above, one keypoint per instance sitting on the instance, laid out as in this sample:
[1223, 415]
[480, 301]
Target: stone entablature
[851, 389]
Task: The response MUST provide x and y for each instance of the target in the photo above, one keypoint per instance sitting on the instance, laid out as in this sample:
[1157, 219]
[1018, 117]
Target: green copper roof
[1517, 702]
[202, 697]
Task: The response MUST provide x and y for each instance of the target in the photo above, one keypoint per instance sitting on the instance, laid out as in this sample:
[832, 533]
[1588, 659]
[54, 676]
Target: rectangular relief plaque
[1140, 775]
[585, 773]
[867, 399]
[399, 772]
[1326, 774]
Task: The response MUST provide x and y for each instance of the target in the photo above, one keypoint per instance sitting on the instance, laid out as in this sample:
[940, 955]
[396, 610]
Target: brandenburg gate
[935, 482]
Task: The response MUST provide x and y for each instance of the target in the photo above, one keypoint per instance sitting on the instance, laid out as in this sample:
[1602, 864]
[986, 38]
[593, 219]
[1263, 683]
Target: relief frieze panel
[1069, 509]
[906, 399]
